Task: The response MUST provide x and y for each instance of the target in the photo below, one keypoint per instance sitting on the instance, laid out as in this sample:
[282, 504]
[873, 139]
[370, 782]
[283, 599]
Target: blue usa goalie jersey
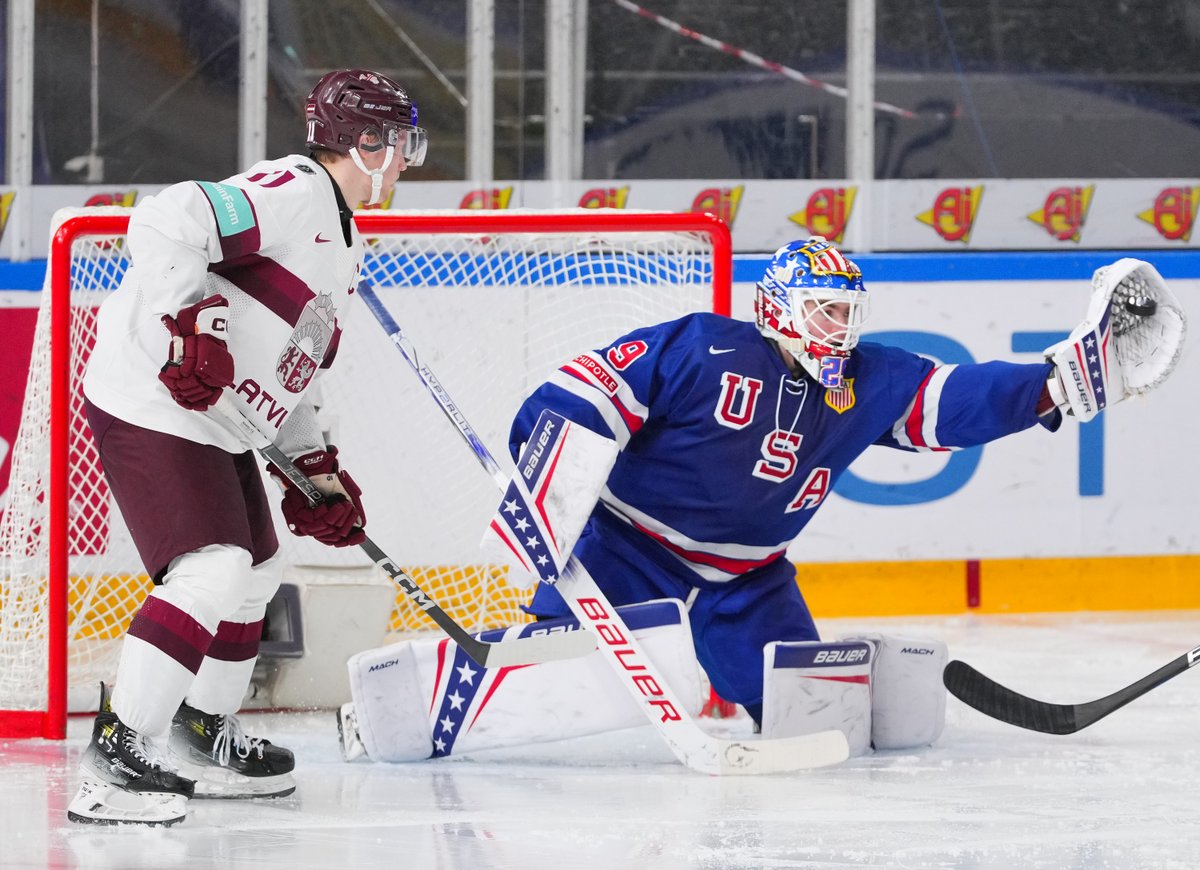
[725, 454]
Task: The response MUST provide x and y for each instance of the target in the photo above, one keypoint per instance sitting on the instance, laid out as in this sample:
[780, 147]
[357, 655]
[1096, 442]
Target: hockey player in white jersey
[241, 286]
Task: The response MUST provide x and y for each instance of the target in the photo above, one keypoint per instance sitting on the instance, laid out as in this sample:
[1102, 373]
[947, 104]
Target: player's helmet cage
[812, 301]
[352, 109]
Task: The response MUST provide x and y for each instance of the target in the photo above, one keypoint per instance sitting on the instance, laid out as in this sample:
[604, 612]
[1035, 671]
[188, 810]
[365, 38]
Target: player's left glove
[1128, 343]
[338, 520]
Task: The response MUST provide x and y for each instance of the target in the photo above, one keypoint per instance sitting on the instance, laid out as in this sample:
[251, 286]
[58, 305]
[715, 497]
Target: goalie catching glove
[1128, 343]
[338, 520]
[198, 364]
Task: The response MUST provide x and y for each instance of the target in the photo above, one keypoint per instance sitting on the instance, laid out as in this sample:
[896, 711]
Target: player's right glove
[198, 364]
[338, 520]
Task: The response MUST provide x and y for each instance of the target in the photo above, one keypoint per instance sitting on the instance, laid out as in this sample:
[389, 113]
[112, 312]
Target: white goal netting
[493, 308]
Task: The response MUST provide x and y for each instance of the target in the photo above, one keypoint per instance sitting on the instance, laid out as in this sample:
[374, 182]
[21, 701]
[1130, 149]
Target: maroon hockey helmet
[357, 108]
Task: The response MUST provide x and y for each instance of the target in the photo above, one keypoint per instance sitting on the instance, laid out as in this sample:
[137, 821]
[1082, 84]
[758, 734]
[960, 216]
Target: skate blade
[221, 783]
[99, 803]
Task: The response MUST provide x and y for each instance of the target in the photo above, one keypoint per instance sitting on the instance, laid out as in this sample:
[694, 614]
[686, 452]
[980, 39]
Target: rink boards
[1095, 517]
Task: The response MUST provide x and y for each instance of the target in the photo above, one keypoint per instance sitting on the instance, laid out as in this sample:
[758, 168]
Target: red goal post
[494, 299]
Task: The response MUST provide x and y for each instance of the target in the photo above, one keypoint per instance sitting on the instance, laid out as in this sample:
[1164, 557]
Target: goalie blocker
[426, 699]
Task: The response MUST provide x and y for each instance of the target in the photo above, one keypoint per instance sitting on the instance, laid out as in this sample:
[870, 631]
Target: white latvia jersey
[269, 240]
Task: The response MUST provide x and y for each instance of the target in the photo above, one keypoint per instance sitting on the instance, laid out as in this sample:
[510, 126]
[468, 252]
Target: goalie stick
[693, 746]
[507, 653]
[992, 699]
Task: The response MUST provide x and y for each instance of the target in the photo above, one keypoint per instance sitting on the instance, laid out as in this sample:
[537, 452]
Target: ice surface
[1122, 794]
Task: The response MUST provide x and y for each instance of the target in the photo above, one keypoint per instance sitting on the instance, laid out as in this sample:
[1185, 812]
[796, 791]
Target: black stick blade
[992, 699]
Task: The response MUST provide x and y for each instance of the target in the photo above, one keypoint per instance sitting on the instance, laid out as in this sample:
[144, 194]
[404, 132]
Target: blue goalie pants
[731, 622]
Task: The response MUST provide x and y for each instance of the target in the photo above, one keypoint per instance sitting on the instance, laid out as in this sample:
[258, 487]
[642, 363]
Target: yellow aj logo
[6, 201]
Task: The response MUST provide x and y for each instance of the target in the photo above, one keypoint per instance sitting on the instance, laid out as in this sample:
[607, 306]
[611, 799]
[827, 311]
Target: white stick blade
[541, 648]
[784, 755]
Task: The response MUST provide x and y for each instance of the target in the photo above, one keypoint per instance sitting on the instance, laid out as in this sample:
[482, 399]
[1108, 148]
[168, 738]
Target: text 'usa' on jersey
[726, 454]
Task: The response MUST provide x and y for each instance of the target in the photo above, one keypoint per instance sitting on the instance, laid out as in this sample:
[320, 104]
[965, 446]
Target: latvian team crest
[841, 400]
[307, 345]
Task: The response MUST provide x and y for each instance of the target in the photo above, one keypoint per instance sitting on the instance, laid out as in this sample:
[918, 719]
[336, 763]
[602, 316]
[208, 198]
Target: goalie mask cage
[493, 300]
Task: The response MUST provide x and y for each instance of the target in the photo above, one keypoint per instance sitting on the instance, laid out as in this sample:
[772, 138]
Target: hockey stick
[992, 699]
[518, 651]
[694, 747]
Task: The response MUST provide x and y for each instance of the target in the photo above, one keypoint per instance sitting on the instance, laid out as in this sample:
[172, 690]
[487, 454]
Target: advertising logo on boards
[722, 202]
[6, 201]
[827, 212]
[952, 215]
[487, 197]
[1173, 213]
[605, 197]
[122, 198]
[1064, 212]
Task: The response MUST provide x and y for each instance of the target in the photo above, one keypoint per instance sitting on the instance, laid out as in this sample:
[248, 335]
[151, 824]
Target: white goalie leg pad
[390, 710]
[908, 699]
[427, 698]
[559, 477]
[811, 686]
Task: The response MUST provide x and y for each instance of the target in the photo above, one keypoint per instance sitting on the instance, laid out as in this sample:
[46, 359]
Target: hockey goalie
[723, 440]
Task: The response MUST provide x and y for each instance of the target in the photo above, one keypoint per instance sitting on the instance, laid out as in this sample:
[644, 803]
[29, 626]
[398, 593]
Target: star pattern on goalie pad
[462, 691]
[1093, 359]
[524, 533]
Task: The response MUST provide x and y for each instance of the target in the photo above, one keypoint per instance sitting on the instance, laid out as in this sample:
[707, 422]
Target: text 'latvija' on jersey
[278, 242]
[726, 455]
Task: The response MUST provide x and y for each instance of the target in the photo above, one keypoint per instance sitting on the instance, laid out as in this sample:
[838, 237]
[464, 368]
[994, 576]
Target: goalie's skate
[125, 781]
[348, 739]
[226, 763]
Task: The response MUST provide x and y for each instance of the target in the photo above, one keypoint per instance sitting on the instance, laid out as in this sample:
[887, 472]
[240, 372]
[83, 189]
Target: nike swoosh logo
[716, 350]
[321, 241]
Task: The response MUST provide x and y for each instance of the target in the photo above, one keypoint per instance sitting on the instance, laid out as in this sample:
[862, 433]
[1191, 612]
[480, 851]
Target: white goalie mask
[812, 302]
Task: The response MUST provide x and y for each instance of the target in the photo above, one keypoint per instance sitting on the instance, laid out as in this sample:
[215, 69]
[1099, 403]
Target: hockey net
[494, 301]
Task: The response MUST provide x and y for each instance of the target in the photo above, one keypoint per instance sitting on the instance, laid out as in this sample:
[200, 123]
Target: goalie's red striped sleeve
[620, 396]
[918, 427]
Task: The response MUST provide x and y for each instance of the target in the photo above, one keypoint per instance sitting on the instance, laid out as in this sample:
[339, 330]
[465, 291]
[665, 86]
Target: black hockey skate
[224, 761]
[125, 780]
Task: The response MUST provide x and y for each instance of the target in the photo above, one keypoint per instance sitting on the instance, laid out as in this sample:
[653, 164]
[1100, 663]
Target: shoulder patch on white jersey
[230, 206]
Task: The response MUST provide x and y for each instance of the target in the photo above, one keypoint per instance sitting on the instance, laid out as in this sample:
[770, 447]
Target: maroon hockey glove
[337, 521]
[198, 363]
